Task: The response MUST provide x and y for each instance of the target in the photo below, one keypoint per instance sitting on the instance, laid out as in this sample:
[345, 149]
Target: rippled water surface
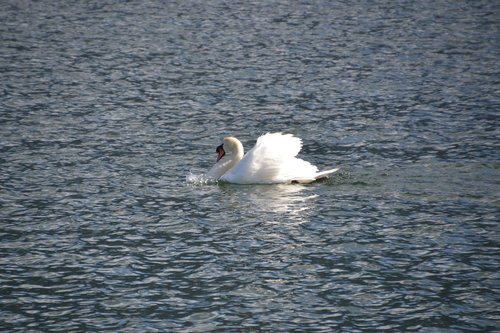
[107, 106]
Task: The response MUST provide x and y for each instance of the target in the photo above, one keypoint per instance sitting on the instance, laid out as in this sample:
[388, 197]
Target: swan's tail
[325, 173]
[319, 175]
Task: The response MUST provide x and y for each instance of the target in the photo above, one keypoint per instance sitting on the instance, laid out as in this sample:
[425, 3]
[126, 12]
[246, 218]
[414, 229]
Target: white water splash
[199, 179]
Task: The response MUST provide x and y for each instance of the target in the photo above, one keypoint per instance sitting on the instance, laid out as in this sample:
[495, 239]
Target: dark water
[106, 106]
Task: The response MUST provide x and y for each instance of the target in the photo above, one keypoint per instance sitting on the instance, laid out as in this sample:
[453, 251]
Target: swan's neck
[238, 152]
[235, 157]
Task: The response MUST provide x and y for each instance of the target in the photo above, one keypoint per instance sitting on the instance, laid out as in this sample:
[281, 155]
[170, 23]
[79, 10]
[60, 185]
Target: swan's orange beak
[220, 152]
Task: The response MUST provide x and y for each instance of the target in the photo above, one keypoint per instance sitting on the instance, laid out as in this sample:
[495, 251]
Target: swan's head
[220, 152]
[230, 145]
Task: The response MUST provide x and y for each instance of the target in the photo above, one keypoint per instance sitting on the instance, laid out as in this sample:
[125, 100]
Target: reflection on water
[282, 199]
[278, 198]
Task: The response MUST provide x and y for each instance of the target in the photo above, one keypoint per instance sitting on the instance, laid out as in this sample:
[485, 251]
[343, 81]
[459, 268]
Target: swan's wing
[272, 160]
[277, 145]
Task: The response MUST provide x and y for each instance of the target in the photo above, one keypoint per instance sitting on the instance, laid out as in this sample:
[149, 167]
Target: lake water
[107, 106]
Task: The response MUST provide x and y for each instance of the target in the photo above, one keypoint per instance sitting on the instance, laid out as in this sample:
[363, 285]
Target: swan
[271, 161]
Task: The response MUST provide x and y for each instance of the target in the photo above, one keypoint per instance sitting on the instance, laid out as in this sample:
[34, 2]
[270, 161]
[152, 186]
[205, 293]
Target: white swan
[272, 160]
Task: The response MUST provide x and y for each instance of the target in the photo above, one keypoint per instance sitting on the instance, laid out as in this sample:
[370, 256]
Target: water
[106, 107]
